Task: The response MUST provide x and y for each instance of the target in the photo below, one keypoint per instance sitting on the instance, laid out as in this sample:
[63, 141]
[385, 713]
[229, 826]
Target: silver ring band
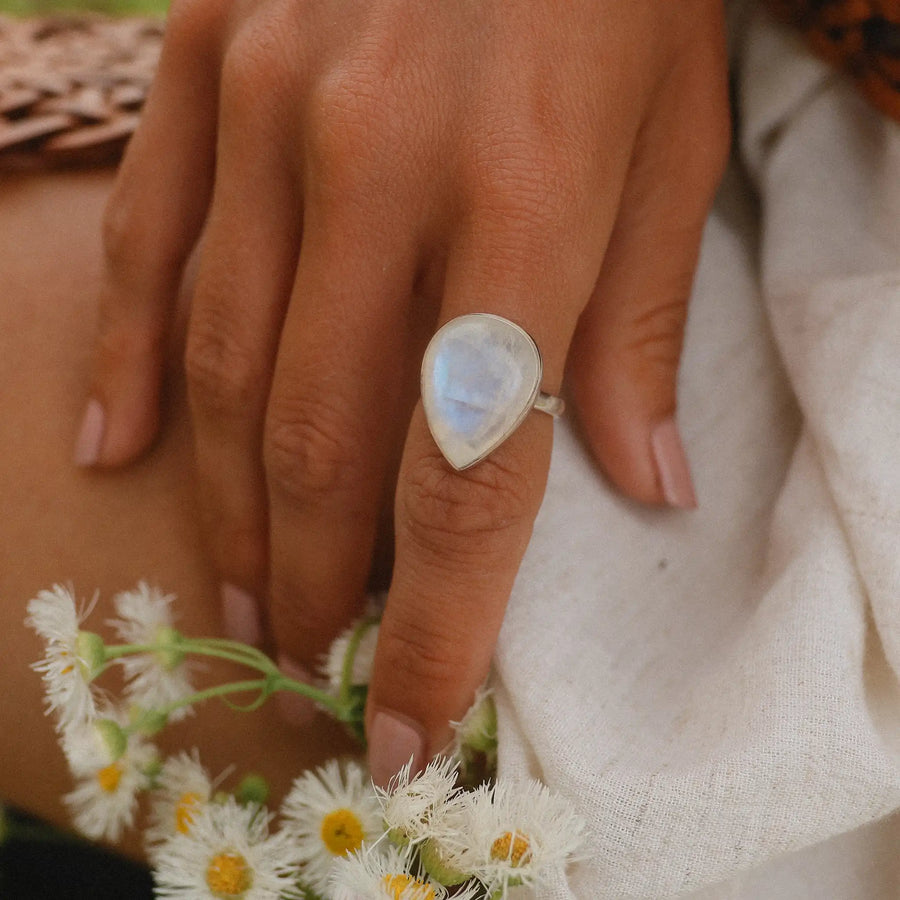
[547, 403]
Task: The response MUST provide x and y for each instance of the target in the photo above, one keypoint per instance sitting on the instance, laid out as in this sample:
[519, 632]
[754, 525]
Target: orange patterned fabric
[861, 37]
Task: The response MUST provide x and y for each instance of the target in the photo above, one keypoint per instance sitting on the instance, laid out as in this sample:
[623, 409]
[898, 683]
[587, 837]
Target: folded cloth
[717, 691]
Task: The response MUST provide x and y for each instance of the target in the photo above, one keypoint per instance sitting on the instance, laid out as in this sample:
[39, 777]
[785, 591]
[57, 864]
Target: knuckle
[421, 655]
[516, 185]
[307, 453]
[137, 247]
[355, 91]
[123, 230]
[344, 136]
[458, 515]
[529, 178]
[360, 120]
[221, 375]
[258, 69]
[656, 333]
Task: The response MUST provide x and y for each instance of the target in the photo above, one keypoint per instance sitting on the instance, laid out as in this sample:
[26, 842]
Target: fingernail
[672, 465]
[393, 741]
[90, 435]
[240, 615]
[295, 709]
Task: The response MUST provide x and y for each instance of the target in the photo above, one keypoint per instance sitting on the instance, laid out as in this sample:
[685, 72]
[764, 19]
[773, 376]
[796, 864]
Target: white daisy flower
[363, 658]
[227, 853]
[72, 658]
[113, 769]
[181, 790]
[373, 875]
[158, 679]
[409, 805]
[509, 834]
[329, 813]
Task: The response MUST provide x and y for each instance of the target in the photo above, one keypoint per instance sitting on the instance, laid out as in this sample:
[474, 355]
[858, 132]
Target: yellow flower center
[512, 847]
[110, 777]
[342, 832]
[185, 810]
[400, 883]
[228, 875]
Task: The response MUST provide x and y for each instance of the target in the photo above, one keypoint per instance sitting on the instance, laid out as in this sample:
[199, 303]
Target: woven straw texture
[71, 89]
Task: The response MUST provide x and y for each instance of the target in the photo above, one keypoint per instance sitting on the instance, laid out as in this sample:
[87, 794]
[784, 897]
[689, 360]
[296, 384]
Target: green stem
[333, 704]
[242, 654]
[266, 686]
[220, 690]
[232, 651]
[247, 656]
[116, 651]
[263, 685]
[236, 646]
[350, 658]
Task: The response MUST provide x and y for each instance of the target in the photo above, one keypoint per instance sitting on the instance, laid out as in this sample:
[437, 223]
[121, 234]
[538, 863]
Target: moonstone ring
[481, 375]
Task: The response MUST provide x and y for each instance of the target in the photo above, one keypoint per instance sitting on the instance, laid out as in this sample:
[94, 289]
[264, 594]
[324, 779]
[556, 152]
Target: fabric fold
[717, 691]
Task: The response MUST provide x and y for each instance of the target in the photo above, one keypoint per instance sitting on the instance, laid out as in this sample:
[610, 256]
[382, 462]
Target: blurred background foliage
[107, 7]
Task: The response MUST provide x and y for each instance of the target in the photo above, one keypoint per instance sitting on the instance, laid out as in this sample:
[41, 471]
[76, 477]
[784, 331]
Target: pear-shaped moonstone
[480, 377]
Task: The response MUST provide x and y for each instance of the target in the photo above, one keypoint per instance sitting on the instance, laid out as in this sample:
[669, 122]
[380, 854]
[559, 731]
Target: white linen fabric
[717, 691]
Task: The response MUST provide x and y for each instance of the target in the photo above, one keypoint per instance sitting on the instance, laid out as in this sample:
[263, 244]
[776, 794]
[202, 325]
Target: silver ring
[481, 376]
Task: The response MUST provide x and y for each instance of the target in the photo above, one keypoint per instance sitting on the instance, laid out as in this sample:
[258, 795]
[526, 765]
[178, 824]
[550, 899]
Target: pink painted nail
[90, 435]
[240, 615]
[295, 709]
[672, 465]
[393, 741]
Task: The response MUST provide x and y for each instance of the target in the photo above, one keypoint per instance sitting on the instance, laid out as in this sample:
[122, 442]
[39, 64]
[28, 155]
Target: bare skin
[361, 173]
[60, 523]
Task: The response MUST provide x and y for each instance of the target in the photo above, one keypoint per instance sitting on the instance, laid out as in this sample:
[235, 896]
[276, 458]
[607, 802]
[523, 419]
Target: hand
[357, 174]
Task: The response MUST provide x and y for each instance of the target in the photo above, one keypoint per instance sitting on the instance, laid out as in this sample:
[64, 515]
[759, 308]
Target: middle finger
[334, 414]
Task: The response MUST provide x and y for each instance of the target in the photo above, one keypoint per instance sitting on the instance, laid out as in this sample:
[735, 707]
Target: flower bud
[253, 789]
[478, 729]
[91, 652]
[111, 737]
[168, 651]
[149, 721]
[435, 864]
[153, 768]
